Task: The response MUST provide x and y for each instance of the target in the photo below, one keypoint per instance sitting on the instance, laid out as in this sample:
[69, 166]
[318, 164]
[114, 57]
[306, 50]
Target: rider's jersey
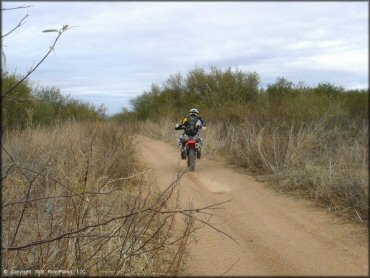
[185, 120]
[183, 123]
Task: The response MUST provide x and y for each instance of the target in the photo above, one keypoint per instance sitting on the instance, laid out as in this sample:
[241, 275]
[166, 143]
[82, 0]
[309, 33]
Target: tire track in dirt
[277, 234]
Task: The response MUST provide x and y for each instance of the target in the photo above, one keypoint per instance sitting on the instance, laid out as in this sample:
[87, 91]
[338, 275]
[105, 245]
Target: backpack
[191, 126]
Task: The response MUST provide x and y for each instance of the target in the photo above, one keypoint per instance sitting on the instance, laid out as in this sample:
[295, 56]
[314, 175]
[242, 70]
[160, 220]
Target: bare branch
[126, 178]
[359, 216]
[45, 176]
[185, 212]
[223, 274]
[35, 67]
[42, 175]
[23, 210]
[211, 226]
[35, 243]
[186, 234]
[17, 8]
[11, 158]
[20, 99]
[20, 23]
[10, 169]
[60, 196]
[171, 185]
[190, 210]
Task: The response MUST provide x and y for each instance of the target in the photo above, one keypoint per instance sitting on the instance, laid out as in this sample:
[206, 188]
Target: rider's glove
[177, 126]
[204, 127]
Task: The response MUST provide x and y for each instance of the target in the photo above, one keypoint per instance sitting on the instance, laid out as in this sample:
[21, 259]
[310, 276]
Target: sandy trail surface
[276, 234]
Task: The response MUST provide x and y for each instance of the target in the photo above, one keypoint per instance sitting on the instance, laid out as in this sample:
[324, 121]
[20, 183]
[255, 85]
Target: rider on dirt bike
[191, 125]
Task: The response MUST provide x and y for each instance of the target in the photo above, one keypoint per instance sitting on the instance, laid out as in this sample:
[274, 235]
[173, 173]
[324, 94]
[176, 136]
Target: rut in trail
[276, 234]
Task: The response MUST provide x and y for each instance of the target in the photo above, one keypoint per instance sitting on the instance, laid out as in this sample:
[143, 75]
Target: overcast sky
[120, 48]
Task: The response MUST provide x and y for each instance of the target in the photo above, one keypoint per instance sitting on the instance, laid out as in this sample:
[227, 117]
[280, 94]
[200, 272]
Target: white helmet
[193, 111]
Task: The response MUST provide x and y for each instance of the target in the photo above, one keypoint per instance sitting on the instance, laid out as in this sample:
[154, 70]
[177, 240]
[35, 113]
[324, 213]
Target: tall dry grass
[75, 198]
[161, 129]
[323, 162]
[320, 160]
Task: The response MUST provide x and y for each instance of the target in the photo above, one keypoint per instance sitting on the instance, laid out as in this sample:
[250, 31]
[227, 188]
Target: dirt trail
[277, 235]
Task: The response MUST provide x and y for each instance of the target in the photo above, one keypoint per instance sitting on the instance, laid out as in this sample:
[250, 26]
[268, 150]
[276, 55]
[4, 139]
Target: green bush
[233, 96]
[45, 105]
[15, 104]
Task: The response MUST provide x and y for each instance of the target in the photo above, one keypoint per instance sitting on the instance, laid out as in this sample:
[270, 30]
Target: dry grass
[316, 160]
[161, 129]
[74, 198]
[319, 160]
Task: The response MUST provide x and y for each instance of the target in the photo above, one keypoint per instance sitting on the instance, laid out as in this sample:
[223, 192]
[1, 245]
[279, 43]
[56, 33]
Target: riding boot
[183, 151]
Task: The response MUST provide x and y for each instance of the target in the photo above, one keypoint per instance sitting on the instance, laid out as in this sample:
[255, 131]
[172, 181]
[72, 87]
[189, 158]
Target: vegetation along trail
[275, 234]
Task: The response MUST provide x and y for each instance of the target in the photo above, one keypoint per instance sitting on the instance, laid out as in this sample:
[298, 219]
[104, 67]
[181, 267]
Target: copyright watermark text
[42, 272]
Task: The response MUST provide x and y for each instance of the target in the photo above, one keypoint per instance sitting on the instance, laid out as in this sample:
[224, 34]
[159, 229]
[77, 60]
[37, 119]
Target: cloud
[120, 48]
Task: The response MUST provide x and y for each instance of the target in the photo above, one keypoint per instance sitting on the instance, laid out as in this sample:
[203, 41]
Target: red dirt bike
[192, 152]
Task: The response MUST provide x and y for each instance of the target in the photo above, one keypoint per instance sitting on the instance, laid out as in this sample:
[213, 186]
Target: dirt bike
[191, 148]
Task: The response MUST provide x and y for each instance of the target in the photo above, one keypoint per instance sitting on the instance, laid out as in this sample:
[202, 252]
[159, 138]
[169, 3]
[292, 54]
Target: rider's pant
[183, 138]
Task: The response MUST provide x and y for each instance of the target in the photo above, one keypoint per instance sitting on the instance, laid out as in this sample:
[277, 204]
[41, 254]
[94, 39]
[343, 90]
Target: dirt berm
[276, 234]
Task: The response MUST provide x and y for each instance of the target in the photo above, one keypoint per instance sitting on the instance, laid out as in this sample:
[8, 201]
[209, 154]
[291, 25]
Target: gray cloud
[121, 48]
